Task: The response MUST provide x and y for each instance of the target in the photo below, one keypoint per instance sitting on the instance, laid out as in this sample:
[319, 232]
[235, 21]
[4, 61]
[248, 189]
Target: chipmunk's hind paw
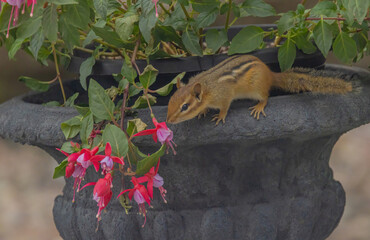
[258, 109]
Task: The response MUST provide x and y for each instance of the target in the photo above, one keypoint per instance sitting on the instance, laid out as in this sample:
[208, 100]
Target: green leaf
[304, 44]
[142, 102]
[204, 5]
[177, 20]
[358, 8]
[143, 166]
[286, 55]
[50, 23]
[191, 42]
[34, 84]
[124, 26]
[78, 15]
[69, 33]
[71, 127]
[36, 42]
[205, 19]
[71, 100]
[216, 38]
[101, 7]
[100, 104]
[52, 104]
[110, 37]
[286, 22]
[28, 28]
[82, 110]
[167, 34]
[87, 125]
[117, 139]
[134, 126]
[134, 154]
[67, 147]
[258, 8]
[147, 78]
[323, 37]
[165, 90]
[325, 8]
[146, 24]
[63, 2]
[60, 170]
[85, 70]
[17, 44]
[128, 72]
[247, 40]
[361, 40]
[344, 48]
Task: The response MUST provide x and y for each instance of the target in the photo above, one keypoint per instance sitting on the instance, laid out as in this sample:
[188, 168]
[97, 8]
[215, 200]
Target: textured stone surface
[247, 179]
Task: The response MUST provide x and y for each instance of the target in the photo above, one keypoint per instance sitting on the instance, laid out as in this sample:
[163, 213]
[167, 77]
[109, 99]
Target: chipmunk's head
[185, 103]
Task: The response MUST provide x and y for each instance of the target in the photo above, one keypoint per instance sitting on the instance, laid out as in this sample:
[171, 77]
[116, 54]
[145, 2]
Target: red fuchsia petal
[131, 193]
[88, 184]
[108, 149]
[118, 160]
[124, 192]
[145, 132]
[73, 157]
[96, 166]
[155, 137]
[155, 122]
[94, 150]
[97, 158]
[102, 187]
[142, 179]
[157, 167]
[65, 153]
[150, 188]
[162, 125]
[145, 194]
[70, 169]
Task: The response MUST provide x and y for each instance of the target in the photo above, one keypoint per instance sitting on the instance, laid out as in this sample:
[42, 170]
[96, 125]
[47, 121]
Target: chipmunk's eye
[184, 107]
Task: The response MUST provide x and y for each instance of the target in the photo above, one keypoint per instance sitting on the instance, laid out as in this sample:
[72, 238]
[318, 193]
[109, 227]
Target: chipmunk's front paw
[218, 118]
[203, 113]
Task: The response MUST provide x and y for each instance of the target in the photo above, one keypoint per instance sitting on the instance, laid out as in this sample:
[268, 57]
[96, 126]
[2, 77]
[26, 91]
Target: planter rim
[302, 115]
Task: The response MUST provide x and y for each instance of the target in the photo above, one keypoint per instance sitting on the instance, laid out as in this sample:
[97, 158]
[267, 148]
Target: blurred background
[28, 190]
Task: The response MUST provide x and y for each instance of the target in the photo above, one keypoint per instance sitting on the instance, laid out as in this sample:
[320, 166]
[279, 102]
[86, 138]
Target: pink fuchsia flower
[106, 161]
[102, 193]
[77, 165]
[16, 5]
[154, 180]
[140, 195]
[156, 8]
[160, 133]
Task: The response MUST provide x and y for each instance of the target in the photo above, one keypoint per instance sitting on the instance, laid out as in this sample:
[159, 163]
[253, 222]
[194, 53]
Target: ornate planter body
[247, 179]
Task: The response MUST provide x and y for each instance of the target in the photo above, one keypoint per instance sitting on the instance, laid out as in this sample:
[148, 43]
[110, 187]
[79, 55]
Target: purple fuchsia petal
[158, 181]
[138, 197]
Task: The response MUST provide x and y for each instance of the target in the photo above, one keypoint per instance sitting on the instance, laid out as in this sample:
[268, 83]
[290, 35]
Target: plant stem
[331, 18]
[164, 9]
[133, 57]
[228, 15]
[303, 2]
[147, 99]
[58, 73]
[123, 108]
[184, 10]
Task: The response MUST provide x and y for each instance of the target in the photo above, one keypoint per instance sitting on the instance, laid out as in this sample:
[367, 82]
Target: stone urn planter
[246, 179]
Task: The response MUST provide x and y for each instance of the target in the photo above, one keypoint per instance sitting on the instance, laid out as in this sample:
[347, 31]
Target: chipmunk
[239, 77]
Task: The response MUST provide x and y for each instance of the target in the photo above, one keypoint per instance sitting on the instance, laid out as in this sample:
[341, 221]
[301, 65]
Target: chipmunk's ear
[197, 92]
[179, 84]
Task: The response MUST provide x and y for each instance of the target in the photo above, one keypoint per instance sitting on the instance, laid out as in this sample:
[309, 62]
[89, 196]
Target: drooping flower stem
[123, 108]
[147, 99]
[185, 11]
[58, 73]
[228, 15]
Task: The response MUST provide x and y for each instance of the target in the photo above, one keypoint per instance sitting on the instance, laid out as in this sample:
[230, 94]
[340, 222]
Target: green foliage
[100, 104]
[117, 138]
[60, 170]
[247, 40]
[144, 165]
[34, 84]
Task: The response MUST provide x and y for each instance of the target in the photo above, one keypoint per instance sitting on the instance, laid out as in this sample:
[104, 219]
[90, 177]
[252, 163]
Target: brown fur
[242, 76]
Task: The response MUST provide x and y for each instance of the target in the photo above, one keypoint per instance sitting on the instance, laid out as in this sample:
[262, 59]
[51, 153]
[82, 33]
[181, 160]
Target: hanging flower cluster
[81, 158]
[16, 6]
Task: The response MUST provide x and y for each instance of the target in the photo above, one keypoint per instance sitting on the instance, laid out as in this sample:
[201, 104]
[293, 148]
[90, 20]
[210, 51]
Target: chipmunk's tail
[296, 81]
